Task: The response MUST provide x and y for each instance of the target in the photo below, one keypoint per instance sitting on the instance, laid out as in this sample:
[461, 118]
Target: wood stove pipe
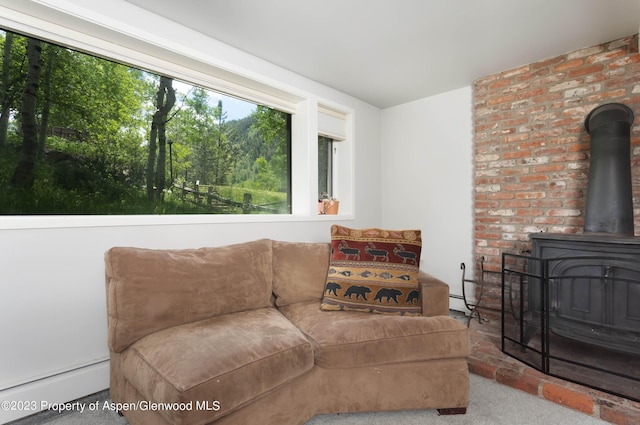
[609, 197]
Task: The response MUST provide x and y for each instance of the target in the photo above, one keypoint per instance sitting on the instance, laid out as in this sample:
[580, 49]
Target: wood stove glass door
[625, 292]
[598, 291]
[577, 291]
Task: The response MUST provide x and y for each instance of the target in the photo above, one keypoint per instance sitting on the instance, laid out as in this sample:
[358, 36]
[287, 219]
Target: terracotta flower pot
[328, 206]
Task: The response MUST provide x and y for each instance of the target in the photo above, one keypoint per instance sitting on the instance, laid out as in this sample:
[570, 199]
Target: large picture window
[84, 135]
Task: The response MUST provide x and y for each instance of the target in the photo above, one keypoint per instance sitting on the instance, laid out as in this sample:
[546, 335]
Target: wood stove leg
[452, 411]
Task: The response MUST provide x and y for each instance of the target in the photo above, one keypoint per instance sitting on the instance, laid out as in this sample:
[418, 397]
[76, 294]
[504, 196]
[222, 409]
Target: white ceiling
[389, 52]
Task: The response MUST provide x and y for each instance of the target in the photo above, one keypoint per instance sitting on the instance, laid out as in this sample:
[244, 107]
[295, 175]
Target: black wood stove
[581, 292]
[593, 287]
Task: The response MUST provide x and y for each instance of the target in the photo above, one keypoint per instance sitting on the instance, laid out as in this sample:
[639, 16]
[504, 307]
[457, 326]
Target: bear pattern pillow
[374, 271]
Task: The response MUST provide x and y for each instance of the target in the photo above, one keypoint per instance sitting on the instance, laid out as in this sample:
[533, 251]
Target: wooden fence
[215, 201]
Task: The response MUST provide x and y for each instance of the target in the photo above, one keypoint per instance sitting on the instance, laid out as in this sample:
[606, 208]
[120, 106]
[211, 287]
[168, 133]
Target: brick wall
[532, 151]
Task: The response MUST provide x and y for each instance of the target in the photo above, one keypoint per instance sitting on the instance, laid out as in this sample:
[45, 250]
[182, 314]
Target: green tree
[12, 82]
[266, 179]
[165, 99]
[201, 133]
[24, 173]
[99, 104]
[273, 127]
[49, 53]
[225, 154]
[7, 99]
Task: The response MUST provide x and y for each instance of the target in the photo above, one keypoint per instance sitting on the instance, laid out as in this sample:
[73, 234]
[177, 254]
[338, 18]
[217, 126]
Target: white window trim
[64, 23]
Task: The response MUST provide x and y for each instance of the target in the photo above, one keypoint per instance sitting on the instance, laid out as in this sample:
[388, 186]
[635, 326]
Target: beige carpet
[490, 404]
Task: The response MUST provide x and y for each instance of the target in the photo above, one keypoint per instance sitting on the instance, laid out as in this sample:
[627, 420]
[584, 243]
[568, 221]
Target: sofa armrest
[435, 295]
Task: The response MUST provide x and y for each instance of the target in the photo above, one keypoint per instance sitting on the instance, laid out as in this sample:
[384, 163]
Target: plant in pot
[328, 204]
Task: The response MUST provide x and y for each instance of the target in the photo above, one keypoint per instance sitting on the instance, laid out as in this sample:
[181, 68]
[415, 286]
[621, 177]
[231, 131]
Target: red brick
[535, 75]
[516, 154]
[554, 132]
[528, 144]
[514, 171]
[485, 80]
[567, 121]
[546, 203]
[548, 220]
[516, 187]
[547, 168]
[518, 380]
[530, 212]
[546, 63]
[574, 156]
[501, 99]
[607, 95]
[515, 122]
[619, 411]
[501, 195]
[567, 397]
[515, 71]
[550, 151]
[586, 70]
[482, 369]
[620, 415]
[579, 147]
[530, 195]
[534, 178]
[499, 83]
[501, 244]
[574, 63]
[486, 235]
[606, 56]
[516, 204]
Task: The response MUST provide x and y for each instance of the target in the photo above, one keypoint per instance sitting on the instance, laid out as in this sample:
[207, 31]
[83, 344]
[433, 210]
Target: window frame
[88, 31]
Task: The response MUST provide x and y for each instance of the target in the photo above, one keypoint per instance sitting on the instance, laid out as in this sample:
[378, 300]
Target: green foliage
[273, 127]
[95, 118]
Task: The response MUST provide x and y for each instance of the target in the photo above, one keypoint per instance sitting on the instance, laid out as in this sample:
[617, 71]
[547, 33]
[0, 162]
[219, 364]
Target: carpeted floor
[490, 404]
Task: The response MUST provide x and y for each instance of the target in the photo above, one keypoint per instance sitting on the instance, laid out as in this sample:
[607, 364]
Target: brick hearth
[488, 361]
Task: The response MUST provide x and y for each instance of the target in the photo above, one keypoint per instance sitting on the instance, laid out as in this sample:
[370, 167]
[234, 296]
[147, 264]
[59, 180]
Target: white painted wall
[52, 296]
[427, 170]
[52, 303]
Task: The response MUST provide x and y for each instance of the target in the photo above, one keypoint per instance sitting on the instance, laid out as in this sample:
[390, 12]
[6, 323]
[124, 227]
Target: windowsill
[67, 221]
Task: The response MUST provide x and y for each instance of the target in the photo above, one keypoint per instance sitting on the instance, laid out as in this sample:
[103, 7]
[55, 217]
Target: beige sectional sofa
[235, 335]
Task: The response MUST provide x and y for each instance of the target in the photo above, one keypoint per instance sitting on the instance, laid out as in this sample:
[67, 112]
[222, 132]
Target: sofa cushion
[299, 271]
[150, 290]
[374, 270]
[351, 339]
[231, 359]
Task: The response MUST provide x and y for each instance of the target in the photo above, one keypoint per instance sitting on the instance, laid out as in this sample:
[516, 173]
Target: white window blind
[332, 123]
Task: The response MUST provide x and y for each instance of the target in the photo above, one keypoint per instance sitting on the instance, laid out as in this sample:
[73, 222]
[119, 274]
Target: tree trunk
[5, 102]
[151, 159]
[24, 173]
[51, 52]
[166, 84]
[156, 177]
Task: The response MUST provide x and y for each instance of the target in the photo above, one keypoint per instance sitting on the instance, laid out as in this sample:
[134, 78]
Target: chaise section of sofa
[235, 335]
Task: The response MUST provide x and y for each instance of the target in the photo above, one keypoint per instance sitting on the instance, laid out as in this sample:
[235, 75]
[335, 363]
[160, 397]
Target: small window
[325, 167]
